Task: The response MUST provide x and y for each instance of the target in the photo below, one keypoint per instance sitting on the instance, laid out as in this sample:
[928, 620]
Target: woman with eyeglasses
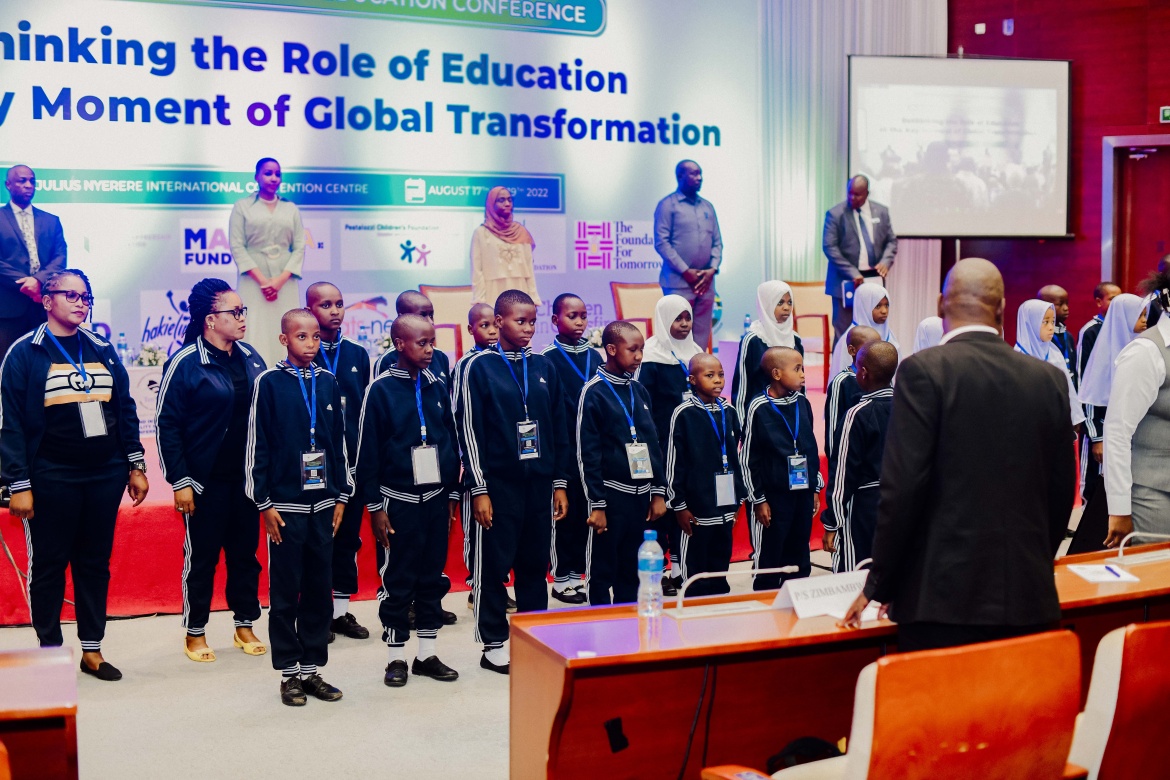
[68, 448]
[201, 428]
[268, 246]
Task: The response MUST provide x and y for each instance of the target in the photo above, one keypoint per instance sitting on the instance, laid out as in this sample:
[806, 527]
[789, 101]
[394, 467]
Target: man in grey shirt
[686, 235]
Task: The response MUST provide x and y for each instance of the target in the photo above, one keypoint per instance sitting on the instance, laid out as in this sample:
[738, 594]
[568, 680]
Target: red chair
[451, 306]
[634, 302]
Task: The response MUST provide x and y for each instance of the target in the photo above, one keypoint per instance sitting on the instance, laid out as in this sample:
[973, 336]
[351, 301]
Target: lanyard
[686, 371]
[795, 433]
[422, 422]
[310, 404]
[512, 371]
[625, 409]
[721, 429]
[79, 365]
[1061, 344]
[336, 357]
[570, 361]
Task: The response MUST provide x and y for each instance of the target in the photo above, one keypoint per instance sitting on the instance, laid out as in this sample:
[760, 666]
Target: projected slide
[963, 147]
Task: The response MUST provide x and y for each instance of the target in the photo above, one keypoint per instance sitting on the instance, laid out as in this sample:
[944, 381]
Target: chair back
[451, 306]
[634, 302]
[813, 313]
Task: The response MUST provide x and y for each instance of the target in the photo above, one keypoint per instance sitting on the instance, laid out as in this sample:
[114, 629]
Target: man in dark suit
[859, 241]
[32, 247]
[977, 481]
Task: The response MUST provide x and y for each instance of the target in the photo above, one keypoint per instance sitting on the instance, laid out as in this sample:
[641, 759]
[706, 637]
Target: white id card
[725, 490]
[797, 472]
[425, 460]
[528, 440]
[93, 421]
[313, 470]
[639, 457]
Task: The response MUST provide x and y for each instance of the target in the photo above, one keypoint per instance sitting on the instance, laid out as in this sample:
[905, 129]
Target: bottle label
[650, 565]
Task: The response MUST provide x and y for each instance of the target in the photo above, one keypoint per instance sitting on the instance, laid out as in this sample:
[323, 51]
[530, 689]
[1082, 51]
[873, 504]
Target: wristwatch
[138, 465]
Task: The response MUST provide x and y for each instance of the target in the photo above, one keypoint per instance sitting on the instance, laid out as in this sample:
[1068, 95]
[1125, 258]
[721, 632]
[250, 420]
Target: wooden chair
[451, 305]
[5, 767]
[634, 302]
[1122, 732]
[38, 714]
[813, 311]
[998, 709]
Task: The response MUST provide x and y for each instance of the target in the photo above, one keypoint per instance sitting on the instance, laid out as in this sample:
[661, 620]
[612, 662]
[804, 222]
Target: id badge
[313, 470]
[797, 472]
[425, 460]
[725, 490]
[639, 457]
[93, 421]
[528, 440]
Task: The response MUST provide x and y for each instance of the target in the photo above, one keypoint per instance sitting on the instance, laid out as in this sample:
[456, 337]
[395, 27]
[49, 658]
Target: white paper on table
[868, 615]
[1098, 573]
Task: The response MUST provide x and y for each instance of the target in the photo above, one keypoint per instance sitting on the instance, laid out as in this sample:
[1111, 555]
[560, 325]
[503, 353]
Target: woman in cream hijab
[501, 252]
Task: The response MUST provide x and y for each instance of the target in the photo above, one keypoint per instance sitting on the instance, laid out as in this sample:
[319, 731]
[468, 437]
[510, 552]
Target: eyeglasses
[73, 296]
[239, 313]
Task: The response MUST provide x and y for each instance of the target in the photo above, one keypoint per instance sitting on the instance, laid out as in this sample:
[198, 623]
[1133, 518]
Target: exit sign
[1164, 114]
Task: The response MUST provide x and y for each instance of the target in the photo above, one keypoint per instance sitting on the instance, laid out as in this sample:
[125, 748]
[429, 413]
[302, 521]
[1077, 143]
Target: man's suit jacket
[976, 487]
[843, 246]
[14, 259]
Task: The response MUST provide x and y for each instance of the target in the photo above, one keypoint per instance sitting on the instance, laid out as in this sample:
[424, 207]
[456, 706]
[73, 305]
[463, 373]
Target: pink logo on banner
[594, 245]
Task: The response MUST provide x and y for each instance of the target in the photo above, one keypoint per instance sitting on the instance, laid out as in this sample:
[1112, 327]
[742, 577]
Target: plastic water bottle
[364, 338]
[123, 349]
[747, 322]
[650, 576]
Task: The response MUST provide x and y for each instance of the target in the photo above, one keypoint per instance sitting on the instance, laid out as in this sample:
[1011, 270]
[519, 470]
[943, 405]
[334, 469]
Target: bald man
[32, 246]
[977, 481]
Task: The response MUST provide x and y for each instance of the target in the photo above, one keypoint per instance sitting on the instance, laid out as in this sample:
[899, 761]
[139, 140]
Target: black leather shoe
[569, 596]
[332, 636]
[450, 618]
[669, 586]
[434, 668]
[510, 605]
[292, 692]
[105, 671]
[484, 663]
[347, 625]
[313, 685]
[395, 674]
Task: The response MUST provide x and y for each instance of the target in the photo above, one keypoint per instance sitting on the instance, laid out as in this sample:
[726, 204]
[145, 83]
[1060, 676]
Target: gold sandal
[251, 648]
[204, 655]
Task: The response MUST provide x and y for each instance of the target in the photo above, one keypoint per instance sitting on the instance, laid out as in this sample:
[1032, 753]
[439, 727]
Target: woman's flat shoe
[251, 648]
[203, 655]
[105, 671]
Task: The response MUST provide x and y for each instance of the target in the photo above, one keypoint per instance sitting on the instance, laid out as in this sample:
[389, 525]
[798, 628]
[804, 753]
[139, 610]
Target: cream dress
[497, 266]
[273, 242]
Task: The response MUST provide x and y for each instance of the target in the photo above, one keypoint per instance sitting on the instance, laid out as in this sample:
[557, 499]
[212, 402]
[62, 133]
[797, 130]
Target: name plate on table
[816, 596]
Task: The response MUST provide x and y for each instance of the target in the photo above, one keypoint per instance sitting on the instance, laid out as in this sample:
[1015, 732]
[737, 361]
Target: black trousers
[12, 328]
[226, 520]
[708, 548]
[345, 549]
[785, 541]
[862, 524]
[570, 537]
[933, 636]
[669, 538]
[467, 520]
[75, 509]
[613, 555]
[412, 569]
[518, 540]
[300, 595]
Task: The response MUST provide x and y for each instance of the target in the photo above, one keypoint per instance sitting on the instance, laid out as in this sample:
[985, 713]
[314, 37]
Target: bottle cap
[649, 536]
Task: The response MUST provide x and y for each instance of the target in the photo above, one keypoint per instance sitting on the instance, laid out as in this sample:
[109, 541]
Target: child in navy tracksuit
[620, 463]
[704, 483]
[516, 452]
[350, 365]
[298, 475]
[414, 302]
[854, 492]
[781, 470]
[408, 465]
[576, 362]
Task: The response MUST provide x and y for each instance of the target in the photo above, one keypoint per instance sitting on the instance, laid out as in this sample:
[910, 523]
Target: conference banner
[143, 120]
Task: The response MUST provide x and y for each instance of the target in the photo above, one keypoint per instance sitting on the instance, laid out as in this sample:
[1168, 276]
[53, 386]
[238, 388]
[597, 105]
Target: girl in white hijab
[928, 334]
[871, 307]
[1035, 326]
[773, 327]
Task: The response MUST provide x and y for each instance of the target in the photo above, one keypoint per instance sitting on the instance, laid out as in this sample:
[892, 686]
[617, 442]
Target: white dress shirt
[950, 334]
[865, 260]
[1139, 375]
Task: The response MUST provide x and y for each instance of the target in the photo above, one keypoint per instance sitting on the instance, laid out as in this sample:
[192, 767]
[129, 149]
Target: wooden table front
[595, 695]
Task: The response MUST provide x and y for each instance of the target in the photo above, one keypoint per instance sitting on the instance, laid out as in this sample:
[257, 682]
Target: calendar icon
[416, 190]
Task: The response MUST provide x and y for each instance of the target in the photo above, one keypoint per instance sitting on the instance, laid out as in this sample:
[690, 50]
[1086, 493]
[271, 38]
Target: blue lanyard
[512, 371]
[569, 360]
[721, 429]
[686, 371]
[625, 409]
[310, 404]
[79, 365]
[422, 422]
[1062, 346]
[795, 433]
[336, 357]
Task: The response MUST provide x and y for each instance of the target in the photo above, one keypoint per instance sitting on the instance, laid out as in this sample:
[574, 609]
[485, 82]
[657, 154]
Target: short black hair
[474, 312]
[678, 168]
[509, 299]
[1099, 290]
[560, 300]
[880, 359]
[262, 160]
[406, 301]
[404, 321]
[617, 331]
[315, 286]
[292, 315]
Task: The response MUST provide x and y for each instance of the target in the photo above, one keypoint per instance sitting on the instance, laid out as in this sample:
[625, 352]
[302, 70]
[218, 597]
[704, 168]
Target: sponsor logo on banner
[594, 245]
[164, 318]
[206, 248]
[616, 246]
[400, 242]
[144, 384]
[317, 245]
[374, 310]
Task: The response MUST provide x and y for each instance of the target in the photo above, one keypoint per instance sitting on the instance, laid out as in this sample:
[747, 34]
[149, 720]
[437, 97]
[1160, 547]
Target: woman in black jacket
[202, 428]
[68, 448]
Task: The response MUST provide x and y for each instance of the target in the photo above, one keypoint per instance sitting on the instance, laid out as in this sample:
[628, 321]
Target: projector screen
[963, 147]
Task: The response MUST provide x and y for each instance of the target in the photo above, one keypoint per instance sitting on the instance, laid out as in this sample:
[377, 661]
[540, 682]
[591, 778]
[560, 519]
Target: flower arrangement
[384, 344]
[594, 337]
[150, 355]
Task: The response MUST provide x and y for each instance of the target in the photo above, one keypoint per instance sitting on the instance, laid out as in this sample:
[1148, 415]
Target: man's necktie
[869, 258]
[26, 227]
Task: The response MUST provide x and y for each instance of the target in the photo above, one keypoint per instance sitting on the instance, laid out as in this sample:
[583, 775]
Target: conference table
[596, 692]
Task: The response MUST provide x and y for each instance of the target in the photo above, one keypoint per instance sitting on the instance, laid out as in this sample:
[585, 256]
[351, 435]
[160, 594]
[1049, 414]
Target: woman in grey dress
[268, 245]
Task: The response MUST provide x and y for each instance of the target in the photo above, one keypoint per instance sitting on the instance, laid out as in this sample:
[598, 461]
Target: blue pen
[1110, 569]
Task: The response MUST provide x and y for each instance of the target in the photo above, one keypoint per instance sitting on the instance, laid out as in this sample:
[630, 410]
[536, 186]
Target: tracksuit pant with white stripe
[855, 541]
[412, 569]
[300, 580]
[613, 555]
[75, 510]
[345, 549]
[518, 540]
[570, 538]
[467, 520]
[224, 519]
[707, 549]
[785, 541]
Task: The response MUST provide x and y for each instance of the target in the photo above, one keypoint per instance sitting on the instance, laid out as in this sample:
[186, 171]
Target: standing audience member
[1103, 295]
[871, 308]
[414, 302]
[501, 252]
[928, 333]
[68, 448]
[1061, 338]
[201, 428]
[1035, 328]
[773, 327]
